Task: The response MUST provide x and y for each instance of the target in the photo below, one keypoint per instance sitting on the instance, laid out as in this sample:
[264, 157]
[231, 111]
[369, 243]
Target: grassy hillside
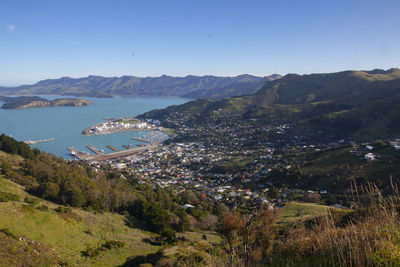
[350, 87]
[66, 235]
[294, 211]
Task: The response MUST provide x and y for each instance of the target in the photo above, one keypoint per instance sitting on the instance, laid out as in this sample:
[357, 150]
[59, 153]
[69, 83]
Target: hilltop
[190, 86]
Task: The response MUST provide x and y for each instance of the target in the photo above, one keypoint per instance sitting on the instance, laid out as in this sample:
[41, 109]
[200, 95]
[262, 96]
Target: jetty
[113, 148]
[95, 150]
[143, 140]
[31, 142]
[75, 152]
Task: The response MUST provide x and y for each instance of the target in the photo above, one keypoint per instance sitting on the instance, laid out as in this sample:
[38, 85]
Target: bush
[27, 209]
[169, 235]
[43, 208]
[63, 209]
[31, 201]
[5, 197]
[113, 244]
[93, 252]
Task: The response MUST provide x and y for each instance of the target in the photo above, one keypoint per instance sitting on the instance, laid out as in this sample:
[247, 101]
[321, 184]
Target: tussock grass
[369, 238]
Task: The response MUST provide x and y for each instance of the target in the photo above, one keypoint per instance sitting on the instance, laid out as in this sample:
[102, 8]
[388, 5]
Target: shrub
[27, 209]
[43, 207]
[63, 209]
[5, 197]
[93, 252]
[31, 201]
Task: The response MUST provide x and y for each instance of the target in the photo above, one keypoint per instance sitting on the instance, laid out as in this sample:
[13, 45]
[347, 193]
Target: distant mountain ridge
[212, 87]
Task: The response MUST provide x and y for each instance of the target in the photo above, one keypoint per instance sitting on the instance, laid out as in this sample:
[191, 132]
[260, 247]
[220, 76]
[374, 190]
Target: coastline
[66, 124]
[125, 124]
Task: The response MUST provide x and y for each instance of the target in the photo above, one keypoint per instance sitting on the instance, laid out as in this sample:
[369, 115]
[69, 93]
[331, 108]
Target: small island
[22, 102]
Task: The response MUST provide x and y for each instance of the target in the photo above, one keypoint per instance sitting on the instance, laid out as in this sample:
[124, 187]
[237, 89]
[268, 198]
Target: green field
[293, 211]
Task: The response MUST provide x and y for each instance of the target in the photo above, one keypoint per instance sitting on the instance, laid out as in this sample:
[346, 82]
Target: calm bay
[65, 124]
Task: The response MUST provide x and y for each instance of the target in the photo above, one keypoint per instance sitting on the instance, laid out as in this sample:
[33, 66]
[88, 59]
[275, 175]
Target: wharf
[95, 150]
[75, 152]
[142, 140]
[112, 155]
[113, 148]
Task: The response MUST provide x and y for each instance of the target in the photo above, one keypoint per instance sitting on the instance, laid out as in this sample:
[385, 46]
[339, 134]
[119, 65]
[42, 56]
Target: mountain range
[211, 87]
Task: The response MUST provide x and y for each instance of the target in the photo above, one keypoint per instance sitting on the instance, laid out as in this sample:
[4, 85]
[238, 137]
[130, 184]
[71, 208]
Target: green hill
[354, 104]
[63, 236]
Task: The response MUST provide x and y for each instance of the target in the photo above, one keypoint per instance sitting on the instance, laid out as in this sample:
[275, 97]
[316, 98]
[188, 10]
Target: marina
[65, 124]
[113, 155]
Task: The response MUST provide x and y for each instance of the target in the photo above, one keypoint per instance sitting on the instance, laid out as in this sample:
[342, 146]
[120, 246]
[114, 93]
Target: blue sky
[51, 39]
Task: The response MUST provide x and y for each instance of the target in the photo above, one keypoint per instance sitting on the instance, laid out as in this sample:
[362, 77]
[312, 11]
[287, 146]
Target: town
[235, 163]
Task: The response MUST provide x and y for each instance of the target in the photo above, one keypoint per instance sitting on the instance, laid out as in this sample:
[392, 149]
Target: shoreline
[126, 124]
[117, 131]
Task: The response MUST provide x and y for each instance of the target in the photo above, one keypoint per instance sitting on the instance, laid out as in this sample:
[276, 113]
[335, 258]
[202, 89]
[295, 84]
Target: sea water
[65, 124]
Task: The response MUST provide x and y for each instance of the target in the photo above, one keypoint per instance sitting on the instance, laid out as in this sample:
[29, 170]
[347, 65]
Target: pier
[143, 140]
[113, 155]
[113, 148]
[95, 150]
[75, 152]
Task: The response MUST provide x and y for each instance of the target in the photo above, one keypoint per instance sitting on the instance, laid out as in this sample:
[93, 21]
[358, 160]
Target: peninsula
[122, 125]
[23, 102]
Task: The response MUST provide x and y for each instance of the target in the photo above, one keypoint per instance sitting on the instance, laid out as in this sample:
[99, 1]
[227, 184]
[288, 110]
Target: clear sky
[50, 39]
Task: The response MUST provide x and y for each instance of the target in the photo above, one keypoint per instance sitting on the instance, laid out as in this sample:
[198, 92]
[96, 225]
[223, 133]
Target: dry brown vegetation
[366, 236]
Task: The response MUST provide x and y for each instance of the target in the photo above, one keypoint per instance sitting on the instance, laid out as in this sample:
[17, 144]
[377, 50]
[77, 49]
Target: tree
[219, 209]
[184, 223]
[273, 193]
[50, 190]
[253, 233]
[229, 226]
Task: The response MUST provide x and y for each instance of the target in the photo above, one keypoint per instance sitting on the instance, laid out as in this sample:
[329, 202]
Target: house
[369, 156]
[338, 206]
[188, 206]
